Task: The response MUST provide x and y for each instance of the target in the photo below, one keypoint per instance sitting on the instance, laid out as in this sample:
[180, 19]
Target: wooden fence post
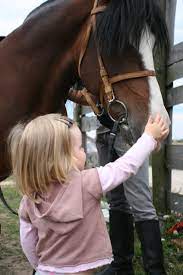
[161, 173]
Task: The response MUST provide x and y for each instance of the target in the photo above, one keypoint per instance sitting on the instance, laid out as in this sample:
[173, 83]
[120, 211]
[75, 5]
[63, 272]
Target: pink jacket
[66, 231]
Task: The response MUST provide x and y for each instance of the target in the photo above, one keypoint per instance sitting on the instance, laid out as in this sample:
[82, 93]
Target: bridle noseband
[107, 92]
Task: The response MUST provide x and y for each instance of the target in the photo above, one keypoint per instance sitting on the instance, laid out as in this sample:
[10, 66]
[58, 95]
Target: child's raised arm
[114, 173]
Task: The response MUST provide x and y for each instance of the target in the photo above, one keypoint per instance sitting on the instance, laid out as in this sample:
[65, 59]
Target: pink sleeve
[28, 240]
[22, 212]
[92, 182]
[114, 173]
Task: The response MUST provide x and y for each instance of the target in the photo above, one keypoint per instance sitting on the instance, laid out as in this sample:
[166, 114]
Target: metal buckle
[123, 114]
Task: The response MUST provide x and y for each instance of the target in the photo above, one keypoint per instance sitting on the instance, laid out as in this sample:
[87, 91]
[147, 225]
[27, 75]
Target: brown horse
[55, 46]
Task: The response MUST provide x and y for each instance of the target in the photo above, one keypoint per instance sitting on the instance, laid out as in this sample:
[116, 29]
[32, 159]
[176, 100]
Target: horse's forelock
[123, 22]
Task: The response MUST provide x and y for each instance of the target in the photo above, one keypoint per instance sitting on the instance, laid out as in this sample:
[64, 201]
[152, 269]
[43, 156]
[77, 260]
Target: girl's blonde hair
[41, 153]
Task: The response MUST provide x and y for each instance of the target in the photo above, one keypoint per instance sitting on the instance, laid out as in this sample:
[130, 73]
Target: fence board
[175, 156]
[175, 72]
[174, 96]
[176, 54]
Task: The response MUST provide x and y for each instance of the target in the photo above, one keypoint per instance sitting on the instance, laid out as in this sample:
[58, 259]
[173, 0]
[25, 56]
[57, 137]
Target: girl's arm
[114, 173]
[28, 240]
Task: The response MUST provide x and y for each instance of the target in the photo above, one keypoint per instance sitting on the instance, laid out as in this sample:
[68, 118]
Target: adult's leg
[120, 221]
[146, 221]
[121, 232]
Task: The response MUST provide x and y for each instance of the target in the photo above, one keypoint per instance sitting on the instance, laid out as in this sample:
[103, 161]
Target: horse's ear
[2, 37]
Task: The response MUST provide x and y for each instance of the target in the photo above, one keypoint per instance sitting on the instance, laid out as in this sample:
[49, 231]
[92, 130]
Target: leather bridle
[107, 91]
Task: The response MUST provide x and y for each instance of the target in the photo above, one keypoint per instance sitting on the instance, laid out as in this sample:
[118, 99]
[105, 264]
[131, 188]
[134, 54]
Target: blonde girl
[62, 229]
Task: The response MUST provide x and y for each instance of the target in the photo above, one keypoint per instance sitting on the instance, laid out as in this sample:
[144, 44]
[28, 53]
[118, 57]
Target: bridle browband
[107, 91]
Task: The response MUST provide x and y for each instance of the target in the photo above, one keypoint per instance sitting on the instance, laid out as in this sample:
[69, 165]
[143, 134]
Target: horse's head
[120, 75]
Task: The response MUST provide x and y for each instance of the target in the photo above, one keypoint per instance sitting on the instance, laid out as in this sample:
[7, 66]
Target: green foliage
[173, 255]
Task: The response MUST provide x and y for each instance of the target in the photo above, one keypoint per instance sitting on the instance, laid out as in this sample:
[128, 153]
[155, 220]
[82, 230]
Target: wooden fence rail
[175, 157]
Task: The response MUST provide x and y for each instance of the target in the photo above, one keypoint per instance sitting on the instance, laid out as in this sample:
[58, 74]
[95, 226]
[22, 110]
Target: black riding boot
[122, 239]
[150, 237]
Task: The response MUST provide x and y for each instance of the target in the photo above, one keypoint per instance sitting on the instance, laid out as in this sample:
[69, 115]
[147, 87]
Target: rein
[107, 92]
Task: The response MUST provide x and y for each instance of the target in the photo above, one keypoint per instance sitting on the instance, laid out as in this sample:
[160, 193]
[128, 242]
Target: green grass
[12, 260]
[9, 222]
[173, 259]
[9, 240]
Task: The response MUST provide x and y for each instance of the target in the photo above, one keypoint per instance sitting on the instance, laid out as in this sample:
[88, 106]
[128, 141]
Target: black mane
[124, 21]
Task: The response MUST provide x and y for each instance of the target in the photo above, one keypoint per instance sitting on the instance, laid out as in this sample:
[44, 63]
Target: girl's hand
[157, 128]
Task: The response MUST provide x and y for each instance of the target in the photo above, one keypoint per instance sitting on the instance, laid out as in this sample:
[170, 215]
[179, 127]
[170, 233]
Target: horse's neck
[44, 45]
[52, 32]
[58, 22]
